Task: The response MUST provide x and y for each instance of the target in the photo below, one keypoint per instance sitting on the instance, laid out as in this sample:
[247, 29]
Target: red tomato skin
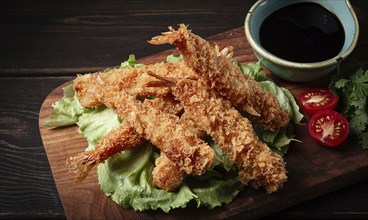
[312, 108]
[317, 137]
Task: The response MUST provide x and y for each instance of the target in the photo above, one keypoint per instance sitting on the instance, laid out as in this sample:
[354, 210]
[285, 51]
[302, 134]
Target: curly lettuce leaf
[174, 59]
[66, 111]
[127, 179]
[96, 123]
[221, 158]
[278, 140]
[130, 62]
[215, 187]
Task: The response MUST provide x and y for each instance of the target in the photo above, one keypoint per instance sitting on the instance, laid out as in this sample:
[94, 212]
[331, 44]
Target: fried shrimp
[226, 78]
[134, 80]
[204, 95]
[165, 132]
[121, 139]
[129, 79]
[258, 164]
[162, 129]
[166, 174]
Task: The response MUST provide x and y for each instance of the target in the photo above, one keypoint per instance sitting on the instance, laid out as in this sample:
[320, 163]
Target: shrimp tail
[81, 165]
[171, 36]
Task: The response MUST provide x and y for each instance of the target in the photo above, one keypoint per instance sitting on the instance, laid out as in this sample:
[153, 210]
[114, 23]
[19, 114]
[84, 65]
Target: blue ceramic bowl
[293, 71]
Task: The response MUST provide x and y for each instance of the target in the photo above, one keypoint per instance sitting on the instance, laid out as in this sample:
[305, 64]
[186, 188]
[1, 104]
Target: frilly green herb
[352, 90]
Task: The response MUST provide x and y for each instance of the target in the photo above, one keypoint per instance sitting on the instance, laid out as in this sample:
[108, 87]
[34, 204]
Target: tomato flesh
[328, 128]
[315, 100]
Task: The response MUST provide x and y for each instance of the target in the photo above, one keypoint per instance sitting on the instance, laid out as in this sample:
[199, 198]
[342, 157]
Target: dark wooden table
[44, 44]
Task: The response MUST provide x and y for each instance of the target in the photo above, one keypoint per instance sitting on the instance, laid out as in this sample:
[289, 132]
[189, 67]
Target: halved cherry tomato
[315, 100]
[328, 128]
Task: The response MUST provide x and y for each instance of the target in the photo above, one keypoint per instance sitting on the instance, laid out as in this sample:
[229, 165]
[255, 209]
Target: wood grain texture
[27, 187]
[313, 170]
[79, 36]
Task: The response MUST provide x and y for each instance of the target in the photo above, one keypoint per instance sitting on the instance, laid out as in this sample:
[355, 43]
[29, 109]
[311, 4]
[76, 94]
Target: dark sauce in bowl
[302, 32]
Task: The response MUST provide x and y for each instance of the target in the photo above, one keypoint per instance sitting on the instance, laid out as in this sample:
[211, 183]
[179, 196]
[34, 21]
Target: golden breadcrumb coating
[164, 130]
[123, 138]
[193, 98]
[166, 174]
[130, 80]
[134, 80]
[226, 78]
[257, 163]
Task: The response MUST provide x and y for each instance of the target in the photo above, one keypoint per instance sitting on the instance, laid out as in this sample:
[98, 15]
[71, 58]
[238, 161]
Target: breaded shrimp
[162, 129]
[134, 80]
[121, 79]
[166, 174]
[121, 139]
[258, 164]
[226, 78]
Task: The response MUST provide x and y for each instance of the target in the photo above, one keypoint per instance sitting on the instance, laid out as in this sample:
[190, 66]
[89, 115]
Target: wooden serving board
[313, 170]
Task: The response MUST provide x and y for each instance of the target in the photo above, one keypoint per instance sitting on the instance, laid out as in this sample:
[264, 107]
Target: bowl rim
[282, 62]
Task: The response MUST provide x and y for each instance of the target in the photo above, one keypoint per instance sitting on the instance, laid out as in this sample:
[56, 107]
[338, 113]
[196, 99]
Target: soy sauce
[303, 32]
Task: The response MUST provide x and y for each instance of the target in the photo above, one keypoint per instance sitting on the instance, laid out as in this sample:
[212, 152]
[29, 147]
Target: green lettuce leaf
[278, 140]
[215, 187]
[66, 111]
[127, 179]
[174, 59]
[130, 62]
[96, 123]
[221, 158]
